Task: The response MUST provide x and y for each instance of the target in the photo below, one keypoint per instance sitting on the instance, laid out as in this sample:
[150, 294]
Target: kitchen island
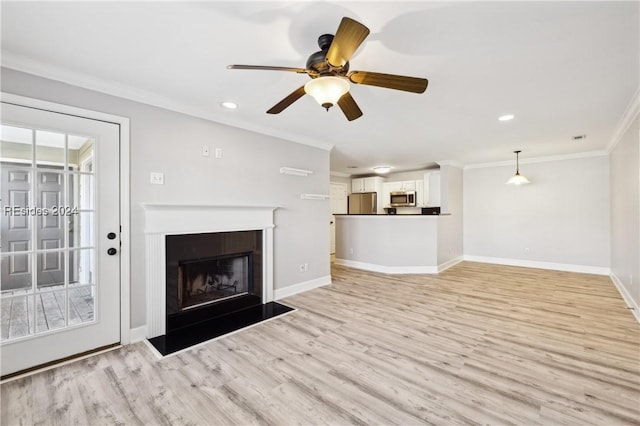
[398, 244]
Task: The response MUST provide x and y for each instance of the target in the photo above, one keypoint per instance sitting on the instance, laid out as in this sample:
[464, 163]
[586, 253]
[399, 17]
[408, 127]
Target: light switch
[218, 152]
[157, 178]
[205, 151]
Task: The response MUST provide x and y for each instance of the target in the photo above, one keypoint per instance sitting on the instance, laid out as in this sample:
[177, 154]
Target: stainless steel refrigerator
[366, 203]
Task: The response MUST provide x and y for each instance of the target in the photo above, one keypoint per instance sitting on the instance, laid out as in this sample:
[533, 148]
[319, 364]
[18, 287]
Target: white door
[339, 205]
[60, 236]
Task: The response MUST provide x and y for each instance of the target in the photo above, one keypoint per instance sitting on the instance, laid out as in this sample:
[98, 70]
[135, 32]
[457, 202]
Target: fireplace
[190, 248]
[213, 280]
[211, 274]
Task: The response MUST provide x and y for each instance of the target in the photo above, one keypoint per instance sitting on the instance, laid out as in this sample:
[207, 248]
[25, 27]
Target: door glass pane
[81, 267]
[50, 310]
[17, 317]
[16, 145]
[50, 269]
[80, 191]
[50, 148]
[81, 230]
[16, 273]
[81, 305]
[80, 153]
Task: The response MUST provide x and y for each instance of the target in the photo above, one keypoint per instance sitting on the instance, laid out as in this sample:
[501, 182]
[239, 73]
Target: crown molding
[630, 114]
[579, 155]
[23, 64]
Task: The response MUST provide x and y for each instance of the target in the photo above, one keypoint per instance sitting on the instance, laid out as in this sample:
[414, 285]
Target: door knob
[111, 251]
[111, 235]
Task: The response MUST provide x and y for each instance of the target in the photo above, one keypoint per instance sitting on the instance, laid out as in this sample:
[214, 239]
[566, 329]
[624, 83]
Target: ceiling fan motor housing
[318, 60]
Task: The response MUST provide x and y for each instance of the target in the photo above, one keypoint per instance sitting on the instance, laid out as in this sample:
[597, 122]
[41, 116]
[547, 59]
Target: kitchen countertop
[394, 215]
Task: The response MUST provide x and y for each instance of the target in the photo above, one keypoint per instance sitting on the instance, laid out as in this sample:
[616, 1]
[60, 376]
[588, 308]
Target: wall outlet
[306, 267]
[156, 178]
[205, 151]
[218, 153]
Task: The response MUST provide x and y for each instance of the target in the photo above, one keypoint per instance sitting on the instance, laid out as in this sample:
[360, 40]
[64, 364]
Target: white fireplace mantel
[174, 219]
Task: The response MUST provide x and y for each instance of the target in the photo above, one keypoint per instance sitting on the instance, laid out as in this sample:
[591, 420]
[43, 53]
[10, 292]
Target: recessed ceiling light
[382, 169]
[229, 105]
[506, 117]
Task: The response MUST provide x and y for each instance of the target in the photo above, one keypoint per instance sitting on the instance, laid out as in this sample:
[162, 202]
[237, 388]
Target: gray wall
[170, 142]
[625, 212]
[561, 217]
[450, 226]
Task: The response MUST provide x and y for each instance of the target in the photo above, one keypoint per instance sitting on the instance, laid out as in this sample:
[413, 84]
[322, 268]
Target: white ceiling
[562, 68]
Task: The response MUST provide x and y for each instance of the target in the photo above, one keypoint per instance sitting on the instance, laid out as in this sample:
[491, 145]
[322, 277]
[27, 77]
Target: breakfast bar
[396, 244]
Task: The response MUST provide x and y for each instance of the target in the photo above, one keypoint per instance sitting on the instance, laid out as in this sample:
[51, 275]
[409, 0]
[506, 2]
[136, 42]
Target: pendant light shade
[327, 90]
[517, 179]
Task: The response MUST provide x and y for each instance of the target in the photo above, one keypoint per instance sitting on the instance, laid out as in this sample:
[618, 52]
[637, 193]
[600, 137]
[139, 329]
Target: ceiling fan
[330, 75]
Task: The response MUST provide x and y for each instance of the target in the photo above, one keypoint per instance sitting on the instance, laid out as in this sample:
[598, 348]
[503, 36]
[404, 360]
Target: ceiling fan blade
[294, 96]
[389, 81]
[348, 38]
[349, 107]
[267, 68]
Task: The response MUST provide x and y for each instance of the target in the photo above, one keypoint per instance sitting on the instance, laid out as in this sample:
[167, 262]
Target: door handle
[111, 251]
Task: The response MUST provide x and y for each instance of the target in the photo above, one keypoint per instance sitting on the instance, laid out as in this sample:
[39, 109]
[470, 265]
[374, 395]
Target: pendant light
[517, 179]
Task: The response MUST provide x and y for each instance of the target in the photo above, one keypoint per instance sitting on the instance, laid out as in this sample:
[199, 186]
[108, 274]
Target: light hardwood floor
[476, 344]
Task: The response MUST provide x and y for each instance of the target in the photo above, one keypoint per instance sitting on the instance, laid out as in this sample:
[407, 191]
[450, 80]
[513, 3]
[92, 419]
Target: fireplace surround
[169, 221]
[211, 274]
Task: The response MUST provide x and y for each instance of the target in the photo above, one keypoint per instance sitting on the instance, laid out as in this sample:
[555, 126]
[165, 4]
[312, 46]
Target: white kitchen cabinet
[357, 185]
[367, 184]
[420, 199]
[432, 189]
[405, 185]
[408, 185]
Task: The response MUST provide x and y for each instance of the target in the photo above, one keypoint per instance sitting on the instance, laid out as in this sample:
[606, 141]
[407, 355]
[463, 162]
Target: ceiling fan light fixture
[327, 90]
[517, 179]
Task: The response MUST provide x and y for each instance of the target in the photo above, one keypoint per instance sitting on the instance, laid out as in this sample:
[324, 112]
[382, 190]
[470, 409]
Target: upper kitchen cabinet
[368, 184]
[432, 189]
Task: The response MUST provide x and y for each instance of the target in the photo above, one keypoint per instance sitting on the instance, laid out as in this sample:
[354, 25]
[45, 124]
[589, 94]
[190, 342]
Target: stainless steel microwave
[403, 199]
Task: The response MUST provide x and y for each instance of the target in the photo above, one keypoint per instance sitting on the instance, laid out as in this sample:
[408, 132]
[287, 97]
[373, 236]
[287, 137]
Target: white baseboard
[138, 334]
[388, 269]
[631, 304]
[596, 270]
[281, 293]
[448, 264]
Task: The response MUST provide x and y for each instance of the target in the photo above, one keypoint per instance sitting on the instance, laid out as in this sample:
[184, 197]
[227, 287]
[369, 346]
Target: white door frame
[125, 233]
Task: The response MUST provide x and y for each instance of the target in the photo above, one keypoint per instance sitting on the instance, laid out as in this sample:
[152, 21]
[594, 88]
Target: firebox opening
[214, 279]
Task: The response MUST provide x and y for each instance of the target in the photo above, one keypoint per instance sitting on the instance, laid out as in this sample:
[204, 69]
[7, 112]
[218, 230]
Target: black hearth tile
[216, 327]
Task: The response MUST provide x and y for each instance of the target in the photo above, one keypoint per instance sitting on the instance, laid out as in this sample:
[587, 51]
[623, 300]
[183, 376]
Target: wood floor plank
[476, 344]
